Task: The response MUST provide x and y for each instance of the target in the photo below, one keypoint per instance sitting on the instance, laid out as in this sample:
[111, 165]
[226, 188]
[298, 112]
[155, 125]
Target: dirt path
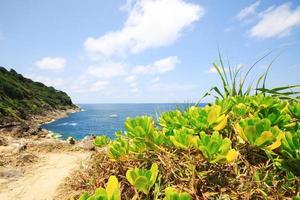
[42, 181]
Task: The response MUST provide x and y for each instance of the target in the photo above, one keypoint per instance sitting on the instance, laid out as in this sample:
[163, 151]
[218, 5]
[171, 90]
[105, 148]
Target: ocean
[105, 119]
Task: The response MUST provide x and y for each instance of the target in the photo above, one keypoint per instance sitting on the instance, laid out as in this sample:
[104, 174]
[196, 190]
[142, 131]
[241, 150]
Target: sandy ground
[44, 177]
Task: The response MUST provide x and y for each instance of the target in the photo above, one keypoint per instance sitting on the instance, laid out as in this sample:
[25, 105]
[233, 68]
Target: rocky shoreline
[31, 127]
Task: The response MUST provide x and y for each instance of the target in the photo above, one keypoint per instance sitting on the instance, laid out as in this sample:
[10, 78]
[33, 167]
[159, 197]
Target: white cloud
[107, 70]
[98, 85]
[155, 80]
[213, 70]
[248, 11]
[133, 85]
[54, 82]
[150, 24]
[158, 67]
[52, 63]
[134, 90]
[130, 79]
[276, 21]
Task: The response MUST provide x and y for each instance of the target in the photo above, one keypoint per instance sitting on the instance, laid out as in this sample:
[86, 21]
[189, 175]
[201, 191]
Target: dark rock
[71, 140]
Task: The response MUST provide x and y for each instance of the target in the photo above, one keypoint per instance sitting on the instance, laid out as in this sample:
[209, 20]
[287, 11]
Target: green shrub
[143, 179]
[172, 194]
[214, 148]
[101, 141]
[111, 192]
[260, 133]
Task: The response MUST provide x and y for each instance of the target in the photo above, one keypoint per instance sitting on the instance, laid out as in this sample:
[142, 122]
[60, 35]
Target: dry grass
[187, 171]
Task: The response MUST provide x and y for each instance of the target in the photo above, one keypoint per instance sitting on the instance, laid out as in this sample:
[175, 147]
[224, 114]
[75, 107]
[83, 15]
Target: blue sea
[104, 119]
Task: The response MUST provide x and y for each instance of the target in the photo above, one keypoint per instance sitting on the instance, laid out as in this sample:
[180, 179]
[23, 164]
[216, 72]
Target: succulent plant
[172, 120]
[183, 138]
[142, 179]
[118, 148]
[214, 148]
[260, 133]
[101, 141]
[111, 192]
[290, 150]
[207, 118]
[172, 194]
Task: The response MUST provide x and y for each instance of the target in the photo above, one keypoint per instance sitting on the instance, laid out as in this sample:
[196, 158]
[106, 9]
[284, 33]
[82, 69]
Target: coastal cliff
[24, 103]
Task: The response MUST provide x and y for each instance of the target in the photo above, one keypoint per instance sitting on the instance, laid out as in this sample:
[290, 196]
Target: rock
[87, 143]
[71, 140]
[19, 147]
[3, 141]
[26, 158]
[10, 173]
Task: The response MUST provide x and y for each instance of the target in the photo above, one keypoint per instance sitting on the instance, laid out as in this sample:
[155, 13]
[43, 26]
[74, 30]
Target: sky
[147, 51]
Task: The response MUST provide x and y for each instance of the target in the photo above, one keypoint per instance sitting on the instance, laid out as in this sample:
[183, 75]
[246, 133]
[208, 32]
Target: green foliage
[172, 194]
[143, 179]
[101, 141]
[183, 138]
[111, 192]
[141, 131]
[207, 118]
[118, 148]
[290, 151]
[260, 133]
[172, 120]
[214, 148]
[294, 109]
[139, 127]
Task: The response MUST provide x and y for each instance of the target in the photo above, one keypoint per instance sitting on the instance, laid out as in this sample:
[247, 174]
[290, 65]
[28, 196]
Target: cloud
[130, 79]
[213, 70]
[248, 11]
[107, 70]
[51, 63]
[158, 67]
[98, 85]
[134, 90]
[155, 80]
[276, 21]
[54, 82]
[150, 24]
[133, 85]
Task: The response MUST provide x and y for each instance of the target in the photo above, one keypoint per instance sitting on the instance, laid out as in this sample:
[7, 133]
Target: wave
[68, 124]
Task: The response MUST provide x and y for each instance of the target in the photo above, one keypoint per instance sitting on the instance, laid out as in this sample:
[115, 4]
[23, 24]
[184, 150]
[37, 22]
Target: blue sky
[146, 51]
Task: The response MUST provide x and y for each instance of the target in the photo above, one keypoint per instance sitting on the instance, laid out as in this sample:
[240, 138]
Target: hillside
[21, 97]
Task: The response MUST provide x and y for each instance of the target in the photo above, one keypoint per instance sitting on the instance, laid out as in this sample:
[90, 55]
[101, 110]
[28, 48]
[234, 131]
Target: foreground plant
[101, 141]
[118, 148]
[172, 194]
[214, 148]
[111, 192]
[291, 152]
[142, 179]
[260, 133]
[183, 138]
[208, 118]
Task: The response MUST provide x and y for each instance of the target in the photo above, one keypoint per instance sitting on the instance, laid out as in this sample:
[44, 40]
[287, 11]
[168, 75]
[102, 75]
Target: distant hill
[21, 97]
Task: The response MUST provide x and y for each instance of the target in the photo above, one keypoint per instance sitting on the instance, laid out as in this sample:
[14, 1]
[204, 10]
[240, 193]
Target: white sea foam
[68, 124]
